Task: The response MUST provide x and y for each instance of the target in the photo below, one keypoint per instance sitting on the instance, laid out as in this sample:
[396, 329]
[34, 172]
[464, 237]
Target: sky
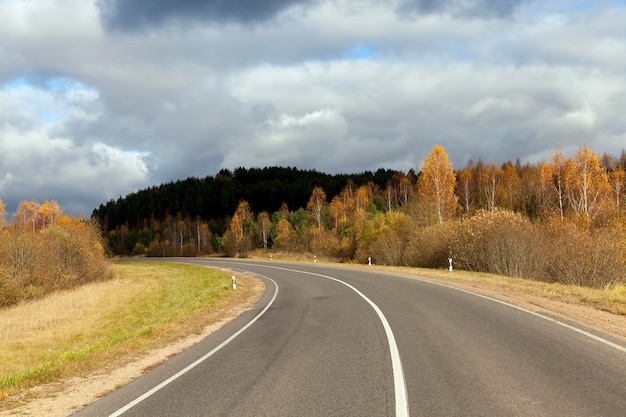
[101, 98]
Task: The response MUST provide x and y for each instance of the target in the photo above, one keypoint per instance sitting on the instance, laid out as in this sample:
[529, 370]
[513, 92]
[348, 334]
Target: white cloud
[56, 21]
[176, 98]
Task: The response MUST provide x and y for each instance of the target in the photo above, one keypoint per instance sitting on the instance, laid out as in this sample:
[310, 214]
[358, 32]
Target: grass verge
[611, 299]
[74, 332]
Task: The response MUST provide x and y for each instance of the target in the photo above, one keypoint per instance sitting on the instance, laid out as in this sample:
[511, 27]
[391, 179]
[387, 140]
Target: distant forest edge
[215, 199]
[562, 220]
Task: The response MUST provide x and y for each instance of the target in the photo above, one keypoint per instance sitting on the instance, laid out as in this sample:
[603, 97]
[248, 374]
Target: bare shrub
[326, 243]
[497, 241]
[384, 238]
[229, 244]
[578, 256]
[190, 250]
[59, 255]
[387, 249]
[430, 247]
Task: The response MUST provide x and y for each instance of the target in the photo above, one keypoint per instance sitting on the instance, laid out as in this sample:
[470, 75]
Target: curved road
[339, 342]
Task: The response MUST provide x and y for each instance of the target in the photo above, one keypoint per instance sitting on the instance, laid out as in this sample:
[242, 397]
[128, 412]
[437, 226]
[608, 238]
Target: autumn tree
[2, 213]
[436, 184]
[362, 200]
[491, 177]
[263, 220]
[27, 214]
[50, 212]
[337, 211]
[586, 183]
[617, 180]
[285, 236]
[530, 177]
[553, 180]
[466, 189]
[315, 206]
[510, 191]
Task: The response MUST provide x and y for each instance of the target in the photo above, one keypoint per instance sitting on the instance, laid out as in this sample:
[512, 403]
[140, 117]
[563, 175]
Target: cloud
[41, 157]
[34, 164]
[136, 93]
[493, 113]
[131, 14]
[462, 8]
[291, 140]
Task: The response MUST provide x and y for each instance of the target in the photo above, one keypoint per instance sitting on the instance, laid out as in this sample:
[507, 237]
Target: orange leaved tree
[435, 185]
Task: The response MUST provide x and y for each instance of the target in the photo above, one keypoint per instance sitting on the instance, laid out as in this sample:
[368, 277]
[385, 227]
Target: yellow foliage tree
[362, 199]
[617, 179]
[491, 177]
[285, 235]
[511, 188]
[2, 213]
[27, 213]
[553, 182]
[263, 220]
[436, 184]
[316, 206]
[466, 189]
[49, 213]
[587, 184]
[337, 211]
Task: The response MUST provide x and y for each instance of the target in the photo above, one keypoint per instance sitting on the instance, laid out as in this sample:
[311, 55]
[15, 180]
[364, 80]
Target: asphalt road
[341, 342]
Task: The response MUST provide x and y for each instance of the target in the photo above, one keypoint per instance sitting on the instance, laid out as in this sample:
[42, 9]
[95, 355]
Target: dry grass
[611, 299]
[74, 332]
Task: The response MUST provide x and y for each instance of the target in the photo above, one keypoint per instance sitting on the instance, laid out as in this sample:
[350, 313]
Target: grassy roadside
[74, 332]
[611, 299]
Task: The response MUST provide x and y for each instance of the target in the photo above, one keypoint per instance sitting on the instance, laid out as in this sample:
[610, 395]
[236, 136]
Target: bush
[384, 238]
[61, 255]
[430, 246]
[190, 250]
[580, 257]
[500, 242]
[325, 243]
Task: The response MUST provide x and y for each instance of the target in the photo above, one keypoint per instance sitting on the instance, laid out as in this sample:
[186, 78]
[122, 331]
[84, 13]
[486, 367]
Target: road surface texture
[328, 341]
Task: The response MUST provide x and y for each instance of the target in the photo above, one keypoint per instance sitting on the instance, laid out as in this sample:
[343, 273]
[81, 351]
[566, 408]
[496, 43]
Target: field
[72, 333]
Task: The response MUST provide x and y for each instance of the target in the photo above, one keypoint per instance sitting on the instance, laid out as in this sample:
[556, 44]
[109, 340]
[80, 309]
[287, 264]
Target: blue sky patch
[359, 52]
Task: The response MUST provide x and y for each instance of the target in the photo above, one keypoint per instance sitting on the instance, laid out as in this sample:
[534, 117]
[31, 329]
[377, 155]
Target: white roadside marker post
[369, 260]
[234, 283]
[450, 261]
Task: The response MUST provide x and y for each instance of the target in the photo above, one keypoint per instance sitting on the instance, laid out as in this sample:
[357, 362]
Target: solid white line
[402, 404]
[534, 313]
[197, 362]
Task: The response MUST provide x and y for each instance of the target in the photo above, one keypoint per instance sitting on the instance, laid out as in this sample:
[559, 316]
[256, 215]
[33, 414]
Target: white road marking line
[402, 404]
[197, 362]
[534, 313]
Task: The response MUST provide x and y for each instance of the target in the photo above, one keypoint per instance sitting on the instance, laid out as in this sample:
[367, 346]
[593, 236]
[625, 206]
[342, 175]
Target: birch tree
[587, 184]
[2, 213]
[263, 219]
[436, 184]
[491, 179]
[316, 206]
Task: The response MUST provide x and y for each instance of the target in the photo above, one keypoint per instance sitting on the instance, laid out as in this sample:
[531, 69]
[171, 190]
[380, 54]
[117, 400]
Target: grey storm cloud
[138, 93]
[466, 8]
[131, 14]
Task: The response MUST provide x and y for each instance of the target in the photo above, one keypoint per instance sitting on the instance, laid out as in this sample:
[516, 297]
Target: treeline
[561, 220]
[215, 198]
[43, 250]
